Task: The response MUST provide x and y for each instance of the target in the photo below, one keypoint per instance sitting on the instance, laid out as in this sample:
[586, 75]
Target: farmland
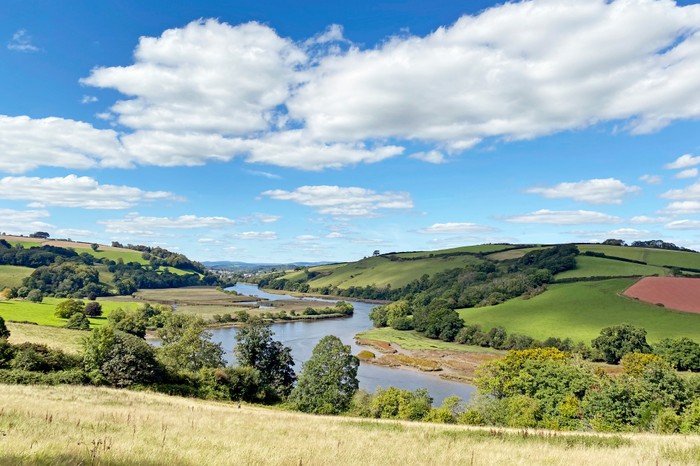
[43, 313]
[588, 266]
[579, 310]
[12, 276]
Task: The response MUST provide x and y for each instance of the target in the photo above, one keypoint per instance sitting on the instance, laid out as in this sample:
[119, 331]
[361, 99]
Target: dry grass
[55, 337]
[397, 360]
[87, 425]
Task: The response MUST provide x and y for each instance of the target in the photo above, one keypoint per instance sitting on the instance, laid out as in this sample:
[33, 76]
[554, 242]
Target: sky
[276, 131]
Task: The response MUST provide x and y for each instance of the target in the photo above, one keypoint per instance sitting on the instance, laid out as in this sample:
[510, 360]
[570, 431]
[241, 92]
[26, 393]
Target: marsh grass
[88, 425]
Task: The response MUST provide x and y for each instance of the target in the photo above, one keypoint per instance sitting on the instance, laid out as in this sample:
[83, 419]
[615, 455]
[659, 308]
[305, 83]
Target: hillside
[69, 425]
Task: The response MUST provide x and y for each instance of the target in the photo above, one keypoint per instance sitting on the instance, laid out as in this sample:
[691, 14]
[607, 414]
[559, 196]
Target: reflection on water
[301, 337]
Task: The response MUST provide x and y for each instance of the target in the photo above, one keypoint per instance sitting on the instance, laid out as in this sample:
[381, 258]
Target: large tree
[618, 340]
[186, 344]
[256, 348]
[328, 380]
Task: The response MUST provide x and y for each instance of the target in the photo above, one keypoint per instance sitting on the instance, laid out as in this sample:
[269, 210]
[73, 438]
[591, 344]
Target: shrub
[618, 340]
[35, 296]
[78, 321]
[93, 309]
[4, 332]
[40, 358]
[667, 422]
[67, 308]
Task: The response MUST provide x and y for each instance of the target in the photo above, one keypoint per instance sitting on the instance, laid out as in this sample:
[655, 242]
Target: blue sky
[283, 131]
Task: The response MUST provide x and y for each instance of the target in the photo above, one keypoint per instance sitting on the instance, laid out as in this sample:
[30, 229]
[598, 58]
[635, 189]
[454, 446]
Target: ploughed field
[678, 293]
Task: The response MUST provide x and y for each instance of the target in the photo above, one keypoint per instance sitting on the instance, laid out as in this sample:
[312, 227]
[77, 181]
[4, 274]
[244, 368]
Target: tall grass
[88, 425]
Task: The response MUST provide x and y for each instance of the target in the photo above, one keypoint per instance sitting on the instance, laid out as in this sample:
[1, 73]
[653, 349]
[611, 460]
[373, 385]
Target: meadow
[380, 271]
[580, 310]
[43, 313]
[11, 276]
[68, 425]
[55, 337]
[660, 257]
[588, 266]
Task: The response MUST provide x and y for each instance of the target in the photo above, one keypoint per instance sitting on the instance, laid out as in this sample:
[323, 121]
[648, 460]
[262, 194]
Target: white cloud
[88, 99]
[265, 218]
[682, 208]
[334, 235]
[651, 179]
[644, 219]
[75, 191]
[684, 225]
[305, 238]
[256, 235]
[271, 176]
[344, 202]
[574, 217]
[687, 173]
[631, 233]
[23, 221]
[135, 224]
[455, 229]
[27, 143]
[73, 233]
[596, 191]
[684, 161]
[687, 193]
[22, 42]
[432, 156]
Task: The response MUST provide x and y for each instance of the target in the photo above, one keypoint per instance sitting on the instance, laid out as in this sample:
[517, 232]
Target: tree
[78, 321]
[682, 354]
[618, 340]
[95, 246]
[187, 346]
[93, 309]
[35, 296]
[128, 321]
[328, 380]
[67, 308]
[39, 234]
[256, 348]
[4, 332]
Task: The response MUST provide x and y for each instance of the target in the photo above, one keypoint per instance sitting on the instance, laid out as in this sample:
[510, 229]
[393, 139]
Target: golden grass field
[69, 425]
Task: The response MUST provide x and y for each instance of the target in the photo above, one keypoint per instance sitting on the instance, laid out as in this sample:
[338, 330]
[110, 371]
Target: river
[301, 337]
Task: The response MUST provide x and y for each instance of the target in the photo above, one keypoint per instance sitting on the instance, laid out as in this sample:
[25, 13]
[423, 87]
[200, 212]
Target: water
[301, 337]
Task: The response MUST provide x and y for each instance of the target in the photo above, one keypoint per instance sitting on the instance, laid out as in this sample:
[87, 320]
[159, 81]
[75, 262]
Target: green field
[660, 257]
[412, 340]
[580, 310]
[380, 271]
[587, 266]
[11, 276]
[55, 337]
[475, 249]
[510, 254]
[43, 313]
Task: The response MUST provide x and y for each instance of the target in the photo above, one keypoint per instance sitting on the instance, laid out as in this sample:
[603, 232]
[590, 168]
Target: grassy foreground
[86, 425]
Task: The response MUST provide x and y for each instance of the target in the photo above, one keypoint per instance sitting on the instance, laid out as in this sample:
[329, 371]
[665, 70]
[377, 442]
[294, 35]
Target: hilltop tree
[328, 380]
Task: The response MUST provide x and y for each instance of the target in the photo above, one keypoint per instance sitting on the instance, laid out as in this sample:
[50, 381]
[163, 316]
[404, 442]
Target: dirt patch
[381, 346]
[682, 294]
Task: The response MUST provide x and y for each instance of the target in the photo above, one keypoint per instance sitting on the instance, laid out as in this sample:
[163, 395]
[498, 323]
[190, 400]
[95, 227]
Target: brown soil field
[61, 243]
[678, 293]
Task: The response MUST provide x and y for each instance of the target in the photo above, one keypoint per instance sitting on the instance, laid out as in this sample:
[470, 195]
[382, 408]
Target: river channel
[301, 337]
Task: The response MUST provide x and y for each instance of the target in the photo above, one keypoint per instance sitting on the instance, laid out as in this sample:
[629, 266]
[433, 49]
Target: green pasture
[411, 340]
[11, 276]
[660, 257]
[588, 266]
[475, 249]
[43, 313]
[511, 254]
[580, 310]
[380, 271]
[55, 337]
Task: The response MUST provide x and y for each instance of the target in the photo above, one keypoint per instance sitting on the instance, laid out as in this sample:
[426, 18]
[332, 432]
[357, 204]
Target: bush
[395, 403]
[67, 308]
[78, 321]
[40, 358]
[4, 332]
[93, 309]
[35, 296]
[23, 377]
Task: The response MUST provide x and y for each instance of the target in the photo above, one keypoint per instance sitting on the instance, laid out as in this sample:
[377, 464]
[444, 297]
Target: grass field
[43, 313]
[587, 266]
[659, 257]
[11, 276]
[580, 310]
[411, 340]
[475, 249]
[380, 271]
[510, 254]
[60, 338]
[86, 425]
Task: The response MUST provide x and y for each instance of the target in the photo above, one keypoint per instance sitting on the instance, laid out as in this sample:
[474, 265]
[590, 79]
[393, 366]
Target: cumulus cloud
[432, 156]
[334, 235]
[632, 233]
[684, 225]
[344, 202]
[211, 91]
[75, 191]
[684, 161]
[572, 217]
[88, 99]
[23, 221]
[687, 173]
[596, 191]
[22, 42]
[651, 179]
[455, 229]
[644, 219]
[27, 143]
[691, 192]
[682, 208]
[256, 235]
[135, 224]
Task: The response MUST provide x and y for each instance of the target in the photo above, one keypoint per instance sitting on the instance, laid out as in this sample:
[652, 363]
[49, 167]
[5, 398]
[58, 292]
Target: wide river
[301, 337]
